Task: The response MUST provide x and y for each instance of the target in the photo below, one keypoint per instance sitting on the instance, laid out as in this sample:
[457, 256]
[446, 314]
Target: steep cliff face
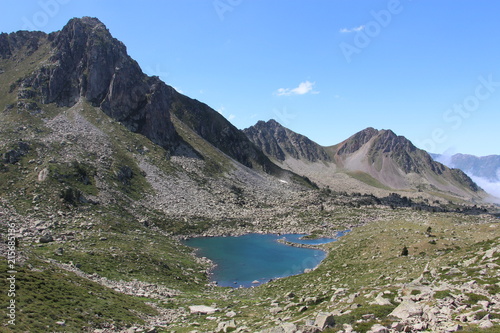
[87, 62]
[214, 128]
[280, 142]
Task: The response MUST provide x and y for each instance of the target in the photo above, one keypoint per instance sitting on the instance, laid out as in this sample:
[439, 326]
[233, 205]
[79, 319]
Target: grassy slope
[49, 295]
[367, 179]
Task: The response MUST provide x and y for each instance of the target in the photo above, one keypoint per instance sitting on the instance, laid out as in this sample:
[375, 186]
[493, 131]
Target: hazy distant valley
[484, 170]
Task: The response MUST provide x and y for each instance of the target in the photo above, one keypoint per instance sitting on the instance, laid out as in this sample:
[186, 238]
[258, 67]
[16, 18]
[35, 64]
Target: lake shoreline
[308, 262]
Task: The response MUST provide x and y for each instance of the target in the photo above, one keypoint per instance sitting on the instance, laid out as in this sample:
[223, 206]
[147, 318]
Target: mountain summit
[85, 61]
[280, 142]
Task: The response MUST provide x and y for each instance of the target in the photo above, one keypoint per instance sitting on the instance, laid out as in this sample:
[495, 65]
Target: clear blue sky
[428, 70]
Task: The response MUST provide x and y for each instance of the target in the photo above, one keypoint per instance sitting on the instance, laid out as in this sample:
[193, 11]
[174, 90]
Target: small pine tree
[405, 251]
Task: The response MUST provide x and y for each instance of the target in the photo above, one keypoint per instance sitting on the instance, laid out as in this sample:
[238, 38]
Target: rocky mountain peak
[356, 141]
[387, 141]
[279, 142]
[87, 62]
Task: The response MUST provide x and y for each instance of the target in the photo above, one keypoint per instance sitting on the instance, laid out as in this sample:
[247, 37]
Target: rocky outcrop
[11, 44]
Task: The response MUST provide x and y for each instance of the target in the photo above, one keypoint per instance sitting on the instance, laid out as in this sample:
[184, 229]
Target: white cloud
[221, 111]
[490, 187]
[303, 88]
[349, 30]
[178, 90]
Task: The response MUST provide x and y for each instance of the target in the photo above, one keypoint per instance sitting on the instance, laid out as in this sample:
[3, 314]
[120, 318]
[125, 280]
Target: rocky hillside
[397, 163]
[379, 159]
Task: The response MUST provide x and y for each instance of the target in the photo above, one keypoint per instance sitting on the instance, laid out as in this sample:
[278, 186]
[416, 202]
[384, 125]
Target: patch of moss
[367, 179]
[442, 294]
[379, 311]
[473, 298]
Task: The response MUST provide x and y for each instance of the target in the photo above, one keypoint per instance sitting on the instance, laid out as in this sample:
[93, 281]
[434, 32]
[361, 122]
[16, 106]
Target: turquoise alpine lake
[253, 259]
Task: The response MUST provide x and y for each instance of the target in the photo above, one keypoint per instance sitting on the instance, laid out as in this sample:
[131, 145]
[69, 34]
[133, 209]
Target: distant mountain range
[378, 158]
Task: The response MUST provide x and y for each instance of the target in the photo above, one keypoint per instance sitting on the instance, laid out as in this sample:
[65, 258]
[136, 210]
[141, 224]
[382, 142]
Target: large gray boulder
[226, 326]
[407, 309]
[202, 309]
[324, 320]
[377, 328]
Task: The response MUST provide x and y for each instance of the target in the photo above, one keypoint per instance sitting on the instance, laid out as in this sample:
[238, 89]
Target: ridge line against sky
[325, 69]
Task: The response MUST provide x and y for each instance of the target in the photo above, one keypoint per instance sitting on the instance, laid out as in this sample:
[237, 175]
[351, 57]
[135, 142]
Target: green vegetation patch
[352, 318]
[442, 294]
[367, 179]
[48, 295]
[473, 298]
[127, 256]
[76, 175]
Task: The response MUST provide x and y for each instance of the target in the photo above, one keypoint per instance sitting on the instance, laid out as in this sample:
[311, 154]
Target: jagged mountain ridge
[280, 142]
[85, 61]
[384, 157]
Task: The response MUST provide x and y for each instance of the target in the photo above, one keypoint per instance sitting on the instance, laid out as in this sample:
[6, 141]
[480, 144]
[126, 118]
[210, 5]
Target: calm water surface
[244, 260]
